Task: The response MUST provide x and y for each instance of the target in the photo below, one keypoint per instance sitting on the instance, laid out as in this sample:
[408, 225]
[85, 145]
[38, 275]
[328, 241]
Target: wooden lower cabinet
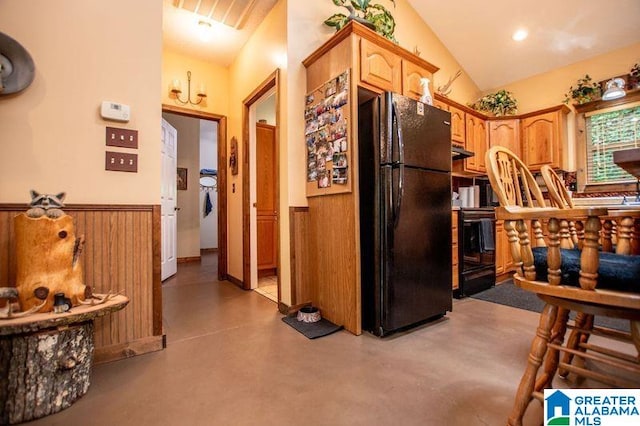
[504, 262]
[455, 277]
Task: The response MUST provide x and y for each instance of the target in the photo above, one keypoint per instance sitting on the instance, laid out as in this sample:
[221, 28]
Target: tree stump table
[46, 359]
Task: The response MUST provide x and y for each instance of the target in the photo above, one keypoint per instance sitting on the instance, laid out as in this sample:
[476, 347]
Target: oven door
[478, 243]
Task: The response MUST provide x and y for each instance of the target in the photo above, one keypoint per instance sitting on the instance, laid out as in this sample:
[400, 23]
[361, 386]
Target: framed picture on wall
[181, 177]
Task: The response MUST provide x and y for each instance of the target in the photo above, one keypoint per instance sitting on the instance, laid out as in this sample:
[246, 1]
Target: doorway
[260, 182]
[199, 188]
[266, 181]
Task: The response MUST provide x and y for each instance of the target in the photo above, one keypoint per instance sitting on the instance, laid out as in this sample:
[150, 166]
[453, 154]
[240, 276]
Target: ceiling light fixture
[205, 30]
[615, 89]
[520, 34]
[176, 89]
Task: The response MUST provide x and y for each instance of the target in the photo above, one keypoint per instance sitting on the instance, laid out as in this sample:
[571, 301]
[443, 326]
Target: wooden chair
[546, 271]
[559, 197]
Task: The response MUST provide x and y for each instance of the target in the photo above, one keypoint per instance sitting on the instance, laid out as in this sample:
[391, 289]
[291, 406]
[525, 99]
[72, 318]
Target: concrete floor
[230, 360]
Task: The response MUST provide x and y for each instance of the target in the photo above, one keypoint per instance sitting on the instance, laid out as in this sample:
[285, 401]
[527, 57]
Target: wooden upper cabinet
[543, 137]
[458, 125]
[505, 133]
[441, 105]
[380, 67]
[411, 75]
[476, 143]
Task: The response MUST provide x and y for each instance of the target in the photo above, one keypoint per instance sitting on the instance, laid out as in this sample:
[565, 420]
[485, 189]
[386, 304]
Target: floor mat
[508, 294]
[313, 330]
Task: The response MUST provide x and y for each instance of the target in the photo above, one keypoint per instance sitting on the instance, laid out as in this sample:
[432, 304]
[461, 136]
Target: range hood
[458, 153]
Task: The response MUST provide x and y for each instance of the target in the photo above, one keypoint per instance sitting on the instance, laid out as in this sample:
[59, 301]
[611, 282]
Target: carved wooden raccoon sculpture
[47, 253]
[46, 205]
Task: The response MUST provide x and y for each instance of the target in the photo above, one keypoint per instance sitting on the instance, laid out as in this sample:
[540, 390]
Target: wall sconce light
[176, 89]
[615, 89]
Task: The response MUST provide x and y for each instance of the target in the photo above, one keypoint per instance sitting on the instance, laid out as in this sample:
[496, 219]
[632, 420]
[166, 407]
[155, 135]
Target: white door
[168, 197]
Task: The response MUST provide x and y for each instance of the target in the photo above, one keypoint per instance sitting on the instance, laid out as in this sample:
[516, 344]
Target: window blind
[608, 132]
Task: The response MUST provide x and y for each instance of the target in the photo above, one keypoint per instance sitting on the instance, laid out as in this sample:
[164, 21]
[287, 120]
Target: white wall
[266, 110]
[209, 160]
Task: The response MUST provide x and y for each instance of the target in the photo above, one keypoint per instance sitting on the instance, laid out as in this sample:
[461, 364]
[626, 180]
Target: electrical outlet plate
[125, 138]
[121, 162]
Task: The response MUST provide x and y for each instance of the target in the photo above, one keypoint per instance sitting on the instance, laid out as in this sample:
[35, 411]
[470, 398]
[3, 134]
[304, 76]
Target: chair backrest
[511, 180]
[558, 194]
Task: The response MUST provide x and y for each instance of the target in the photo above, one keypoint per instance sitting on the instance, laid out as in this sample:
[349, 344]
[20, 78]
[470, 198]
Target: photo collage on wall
[326, 116]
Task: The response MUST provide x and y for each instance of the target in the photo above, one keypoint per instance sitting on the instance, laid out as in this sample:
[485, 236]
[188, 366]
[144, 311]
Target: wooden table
[628, 159]
[45, 360]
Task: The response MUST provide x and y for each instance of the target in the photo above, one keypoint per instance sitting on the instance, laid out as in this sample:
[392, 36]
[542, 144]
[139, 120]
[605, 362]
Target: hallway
[230, 360]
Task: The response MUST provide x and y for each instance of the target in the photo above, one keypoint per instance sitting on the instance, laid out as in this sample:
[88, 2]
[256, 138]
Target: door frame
[222, 179]
[272, 81]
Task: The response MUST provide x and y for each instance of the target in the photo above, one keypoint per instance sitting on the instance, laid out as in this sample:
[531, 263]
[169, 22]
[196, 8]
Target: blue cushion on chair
[616, 272]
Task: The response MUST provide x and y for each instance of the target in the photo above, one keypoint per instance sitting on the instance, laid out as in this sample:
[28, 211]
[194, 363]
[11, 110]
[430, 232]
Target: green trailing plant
[375, 16]
[499, 103]
[634, 76]
[586, 90]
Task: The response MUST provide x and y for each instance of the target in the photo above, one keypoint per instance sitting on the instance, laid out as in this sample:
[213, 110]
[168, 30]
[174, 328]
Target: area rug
[508, 294]
[313, 330]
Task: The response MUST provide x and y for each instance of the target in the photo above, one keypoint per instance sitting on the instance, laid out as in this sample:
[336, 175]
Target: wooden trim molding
[234, 280]
[188, 259]
[356, 28]
[191, 113]
[128, 350]
[222, 178]
[84, 207]
[269, 83]
[157, 270]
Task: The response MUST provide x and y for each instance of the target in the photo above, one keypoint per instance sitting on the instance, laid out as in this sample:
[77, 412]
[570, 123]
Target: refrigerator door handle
[398, 132]
[400, 188]
[399, 195]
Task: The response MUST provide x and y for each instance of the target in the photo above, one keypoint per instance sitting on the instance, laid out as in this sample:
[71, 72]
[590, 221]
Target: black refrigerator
[405, 212]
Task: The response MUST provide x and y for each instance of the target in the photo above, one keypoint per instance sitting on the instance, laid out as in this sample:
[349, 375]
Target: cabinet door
[440, 105]
[476, 143]
[541, 141]
[454, 251]
[458, 125]
[379, 67]
[411, 75]
[501, 248]
[505, 133]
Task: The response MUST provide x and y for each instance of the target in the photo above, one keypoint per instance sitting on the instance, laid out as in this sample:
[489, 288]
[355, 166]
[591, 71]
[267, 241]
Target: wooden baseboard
[188, 259]
[504, 276]
[235, 281]
[129, 349]
[209, 250]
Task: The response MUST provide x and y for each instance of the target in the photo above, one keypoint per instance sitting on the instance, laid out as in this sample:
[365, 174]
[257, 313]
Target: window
[608, 132]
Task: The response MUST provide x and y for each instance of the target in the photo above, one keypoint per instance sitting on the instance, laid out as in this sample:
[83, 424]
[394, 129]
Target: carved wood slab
[77, 314]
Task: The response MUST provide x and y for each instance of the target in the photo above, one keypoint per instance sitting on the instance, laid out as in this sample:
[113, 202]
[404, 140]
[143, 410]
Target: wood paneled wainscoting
[121, 253]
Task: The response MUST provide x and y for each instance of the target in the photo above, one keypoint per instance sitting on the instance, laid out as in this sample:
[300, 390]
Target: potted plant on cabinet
[585, 91]
[372, 15]
[500, 103]
[634, 76]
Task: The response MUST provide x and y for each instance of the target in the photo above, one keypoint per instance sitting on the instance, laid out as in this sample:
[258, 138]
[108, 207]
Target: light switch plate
[125, 138]
[121, 162]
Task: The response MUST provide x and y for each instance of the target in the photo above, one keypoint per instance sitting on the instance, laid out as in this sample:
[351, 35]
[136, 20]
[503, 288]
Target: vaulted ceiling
[477, 33]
